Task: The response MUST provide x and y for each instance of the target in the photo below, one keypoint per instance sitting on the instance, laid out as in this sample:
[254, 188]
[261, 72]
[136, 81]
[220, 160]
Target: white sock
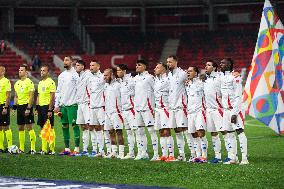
[190, 143]
[233, 145]
[131, 141]
[114, 149]
[94, 140]
[107, 141]
[227, 144]
[77, 149]
[204, 146]
[100, 139]
[163, 142]
[243, 145]
[138, 142]
[171, 145]
[154, 139]
[197, 147]
[143, 140]
[180, 143]
[216, 142]
[121, 150]
[86, 139]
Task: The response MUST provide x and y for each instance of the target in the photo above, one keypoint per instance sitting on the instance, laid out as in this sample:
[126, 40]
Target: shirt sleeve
[237, 103]
[151, 82]
[52, 86]
[58, 92]
[183, 76]
[8, 85]
[15, 87]
[131, 87]
[31, 87]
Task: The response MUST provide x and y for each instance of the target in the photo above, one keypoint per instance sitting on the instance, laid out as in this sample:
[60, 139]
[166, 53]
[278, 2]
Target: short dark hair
[96, 61]
[81, 62]
[142, 61]
[70, 57]
[174, 57]
[214, 63]
[163, 64]
[123, 67]
[230, 60]
[45, 66]
[196, 69]
[25, 66]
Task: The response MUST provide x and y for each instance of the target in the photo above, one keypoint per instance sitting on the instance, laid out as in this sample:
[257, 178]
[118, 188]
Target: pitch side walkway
[16, 183]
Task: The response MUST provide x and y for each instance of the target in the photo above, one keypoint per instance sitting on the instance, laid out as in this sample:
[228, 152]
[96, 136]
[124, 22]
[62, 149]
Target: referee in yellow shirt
[45, 106]
[23, 103]
[5, 95]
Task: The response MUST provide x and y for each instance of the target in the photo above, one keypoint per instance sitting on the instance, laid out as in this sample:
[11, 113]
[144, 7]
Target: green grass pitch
[266, 168]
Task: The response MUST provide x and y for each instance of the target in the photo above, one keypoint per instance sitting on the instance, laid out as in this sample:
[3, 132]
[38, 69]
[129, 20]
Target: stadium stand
[12, 62]
[45, 44]
[197, 47]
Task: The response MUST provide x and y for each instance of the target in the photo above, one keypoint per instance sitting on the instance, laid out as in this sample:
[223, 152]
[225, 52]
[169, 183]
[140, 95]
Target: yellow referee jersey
[45, 87]
[5, 86]
[23, 89]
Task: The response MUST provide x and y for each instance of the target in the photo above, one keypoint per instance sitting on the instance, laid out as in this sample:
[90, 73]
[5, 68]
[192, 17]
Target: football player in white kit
[161, 92]
[196, 115]
[127, 86]
[83, 101]
[177, 105]
[233, 117]
[144, 110]
[65, 102]
[97, 111]
[113, 117]
[214, 109]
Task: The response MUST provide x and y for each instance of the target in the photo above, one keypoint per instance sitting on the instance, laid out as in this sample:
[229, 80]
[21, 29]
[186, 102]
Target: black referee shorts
[4, 119]
[42, 116]
[22, 119]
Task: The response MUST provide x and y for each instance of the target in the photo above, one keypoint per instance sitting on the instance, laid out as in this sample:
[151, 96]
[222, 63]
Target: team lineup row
[103, 104]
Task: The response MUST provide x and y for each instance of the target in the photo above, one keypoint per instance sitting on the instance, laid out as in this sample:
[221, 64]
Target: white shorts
[214, 120]
[129, 119]
[177, 118]
[97, 116]
[228, 126]
[196, 121]
[83, 114]
[144, 118]
[161, 119]
[113, 121]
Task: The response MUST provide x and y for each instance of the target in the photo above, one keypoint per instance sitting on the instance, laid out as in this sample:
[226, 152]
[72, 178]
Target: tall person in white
[214, 109]
[177, 105]
[161, 92]
[233, 118]
[97, 111]
[113, 117]
[196, 115]
[65, 102]
[83, 100]
[144, 109]
[127, 88]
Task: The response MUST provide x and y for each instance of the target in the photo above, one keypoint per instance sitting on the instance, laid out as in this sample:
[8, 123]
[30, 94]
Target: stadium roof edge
[122, 3]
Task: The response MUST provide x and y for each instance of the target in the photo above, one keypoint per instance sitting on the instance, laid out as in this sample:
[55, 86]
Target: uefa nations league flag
[264, 95]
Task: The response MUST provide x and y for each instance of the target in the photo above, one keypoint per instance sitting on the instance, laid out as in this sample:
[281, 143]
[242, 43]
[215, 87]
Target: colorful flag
[47, 132]
[264, 95]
